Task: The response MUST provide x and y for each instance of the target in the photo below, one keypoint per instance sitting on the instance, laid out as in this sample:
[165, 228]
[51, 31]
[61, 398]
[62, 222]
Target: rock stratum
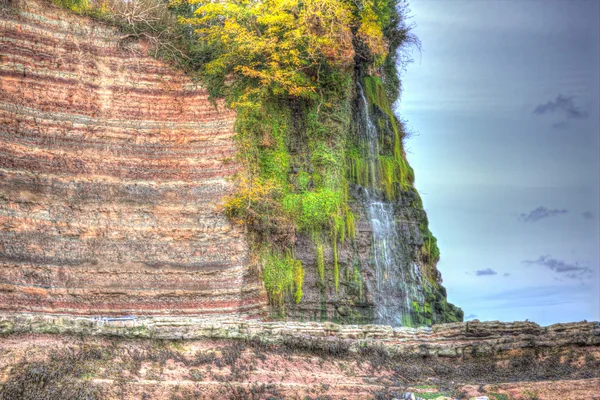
[195, 358]
[457, 339]
[112, 168]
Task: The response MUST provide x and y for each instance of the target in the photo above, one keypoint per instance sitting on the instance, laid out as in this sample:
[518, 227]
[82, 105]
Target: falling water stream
[398, 278]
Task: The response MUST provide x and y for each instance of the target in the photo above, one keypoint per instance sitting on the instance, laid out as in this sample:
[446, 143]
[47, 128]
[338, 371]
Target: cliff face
[112, 167]
[383, 274]
[357, 298]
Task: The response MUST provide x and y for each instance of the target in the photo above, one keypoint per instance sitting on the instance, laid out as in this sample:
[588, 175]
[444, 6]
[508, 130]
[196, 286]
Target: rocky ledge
[447, 340]
[42, 356]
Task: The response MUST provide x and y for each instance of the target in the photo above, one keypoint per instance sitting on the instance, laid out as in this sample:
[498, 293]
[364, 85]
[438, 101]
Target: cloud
[506, 274]
[471, 316]
[540, 213]
[485, 272]
[587, 215]
[567, 270]
[562, 104]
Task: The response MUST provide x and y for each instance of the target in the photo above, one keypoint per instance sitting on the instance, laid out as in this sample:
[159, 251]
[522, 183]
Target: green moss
[298, 273]
[312, 200]
[376, 94]
[429, 253]
[303, 180]
[359, 170]
[339, 229]
[282, 274]
[417, 202]
[357, 280]
[350, 224]
[336, 267]
[320, 262]
[281, 135]
[313, 211]
[431, 395]
[436, 308]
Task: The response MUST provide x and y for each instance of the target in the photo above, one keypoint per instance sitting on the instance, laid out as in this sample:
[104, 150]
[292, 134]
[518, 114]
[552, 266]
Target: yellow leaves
[250, 191]
[369, 28]
[371, 33]
[282, 44]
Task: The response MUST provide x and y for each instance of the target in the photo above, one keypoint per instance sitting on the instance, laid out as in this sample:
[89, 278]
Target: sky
[502, 103]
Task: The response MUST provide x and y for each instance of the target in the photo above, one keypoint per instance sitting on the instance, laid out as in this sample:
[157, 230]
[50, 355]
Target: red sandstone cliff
[111, 168]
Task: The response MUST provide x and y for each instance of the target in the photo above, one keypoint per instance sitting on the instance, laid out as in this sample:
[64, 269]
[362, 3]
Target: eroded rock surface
[184, 357]
[448, 340]
[112, 167]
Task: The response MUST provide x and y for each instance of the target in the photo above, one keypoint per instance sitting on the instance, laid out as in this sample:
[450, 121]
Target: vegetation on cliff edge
[289, 68]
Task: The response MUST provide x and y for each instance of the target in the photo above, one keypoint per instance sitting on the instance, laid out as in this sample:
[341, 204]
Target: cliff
[115, 167]
[112, 169]
[125, 191]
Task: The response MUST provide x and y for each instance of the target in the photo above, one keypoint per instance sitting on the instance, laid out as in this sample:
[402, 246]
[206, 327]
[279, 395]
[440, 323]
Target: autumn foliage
[284, 46]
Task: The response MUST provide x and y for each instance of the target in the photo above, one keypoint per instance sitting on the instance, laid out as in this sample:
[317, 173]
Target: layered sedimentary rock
[225, 358]
[112, 169]
[447, 340]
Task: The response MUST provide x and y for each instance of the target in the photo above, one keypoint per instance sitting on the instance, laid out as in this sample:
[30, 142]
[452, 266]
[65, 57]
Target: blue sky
[503, 103]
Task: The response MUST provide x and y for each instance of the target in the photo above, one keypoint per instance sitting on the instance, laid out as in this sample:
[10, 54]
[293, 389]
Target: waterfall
[398, 278]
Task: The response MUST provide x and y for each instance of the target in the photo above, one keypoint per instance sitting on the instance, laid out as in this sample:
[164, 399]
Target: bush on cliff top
[284, 47]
